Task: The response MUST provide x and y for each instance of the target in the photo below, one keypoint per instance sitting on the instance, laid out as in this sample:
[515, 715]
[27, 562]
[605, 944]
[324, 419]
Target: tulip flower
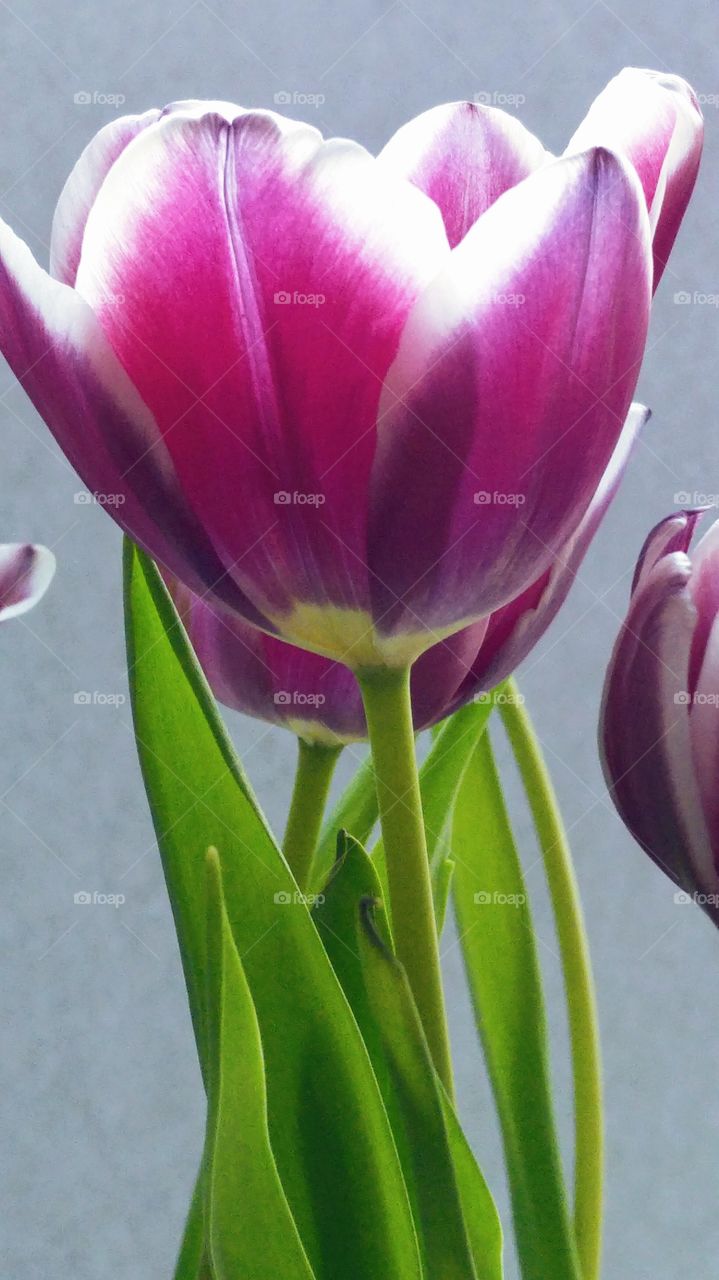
[659, 728]
[320, 700]
[25, 575]
[326, 398]
[350, 415]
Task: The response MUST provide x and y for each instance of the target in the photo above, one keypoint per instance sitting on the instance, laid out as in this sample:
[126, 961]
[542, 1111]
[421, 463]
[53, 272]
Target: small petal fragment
[25, 575]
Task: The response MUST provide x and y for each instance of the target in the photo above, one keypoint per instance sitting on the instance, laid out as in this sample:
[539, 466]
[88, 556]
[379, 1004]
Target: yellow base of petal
[349, 636]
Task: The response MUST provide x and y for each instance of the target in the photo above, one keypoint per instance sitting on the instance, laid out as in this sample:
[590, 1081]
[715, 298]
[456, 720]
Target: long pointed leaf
[505, 981]
[250, 1227]
[427, 1136]
[329, 1131]
[356, 811]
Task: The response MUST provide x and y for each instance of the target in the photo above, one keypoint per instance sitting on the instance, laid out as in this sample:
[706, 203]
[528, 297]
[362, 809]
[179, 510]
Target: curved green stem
[579, 985]
[388, 708]
[315, 766]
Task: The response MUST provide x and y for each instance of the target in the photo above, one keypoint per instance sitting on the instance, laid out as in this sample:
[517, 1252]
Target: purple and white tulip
[319, 699]
[358, 402]
[25, 575]
[659, 727]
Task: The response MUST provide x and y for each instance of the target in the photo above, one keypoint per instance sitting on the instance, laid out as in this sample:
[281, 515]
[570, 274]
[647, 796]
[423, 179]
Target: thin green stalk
[315, 767]
[388, 707]
[578, 981]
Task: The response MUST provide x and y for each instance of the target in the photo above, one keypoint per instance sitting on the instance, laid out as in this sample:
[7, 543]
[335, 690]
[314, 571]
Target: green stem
[388, 708]
[315, 766]
[578, 981]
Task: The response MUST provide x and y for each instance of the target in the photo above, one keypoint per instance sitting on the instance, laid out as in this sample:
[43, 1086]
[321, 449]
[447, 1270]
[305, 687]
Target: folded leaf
[328, 1127]
[249, 1224]
[505, 982]
[417, 1112]
[355, 811]
[425, 1127]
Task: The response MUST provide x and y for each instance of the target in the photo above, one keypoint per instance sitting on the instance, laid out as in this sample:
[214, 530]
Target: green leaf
[427, 1132]
[443, 884]
[416, 1109]
[444, 769]
[484, 1228]
[355, 811]
[250, 1227]
[192, 1249]
[328, 1128]
[505, 981]
[336, 913]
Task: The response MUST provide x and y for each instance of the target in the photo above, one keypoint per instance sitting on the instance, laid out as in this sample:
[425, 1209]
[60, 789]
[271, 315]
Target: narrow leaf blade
[497, 939]
[250, 1227]
[328, 1127]
[426, 1136]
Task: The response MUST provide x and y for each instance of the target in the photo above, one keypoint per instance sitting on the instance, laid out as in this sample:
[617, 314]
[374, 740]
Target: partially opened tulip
[25, 574]
[659, 729]
[358, 402]
[298, 370]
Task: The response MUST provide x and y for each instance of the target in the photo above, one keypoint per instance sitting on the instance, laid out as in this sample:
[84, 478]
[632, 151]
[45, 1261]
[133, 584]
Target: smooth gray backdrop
[100, 1098]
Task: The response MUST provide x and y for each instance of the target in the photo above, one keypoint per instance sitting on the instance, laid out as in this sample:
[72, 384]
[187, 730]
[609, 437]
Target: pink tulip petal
[78, 195]
[514, 630]
[83, 184]
[440, 671]
[220, 237]
[673, 533]
[703, 683]
[654, 119]
[263, 677]
[464, 156]
[510, 390]
[57, 350]
[704, 727]
[645, 728]
[25, 575]
[704, 587]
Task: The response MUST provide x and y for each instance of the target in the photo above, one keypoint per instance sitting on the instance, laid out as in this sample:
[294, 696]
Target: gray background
[101, 1107]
